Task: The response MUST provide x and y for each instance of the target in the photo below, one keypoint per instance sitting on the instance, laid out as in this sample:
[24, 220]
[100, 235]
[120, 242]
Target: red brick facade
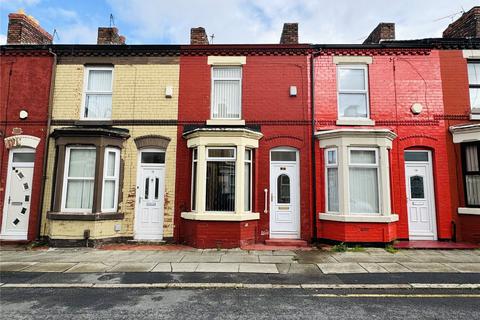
[25, 85]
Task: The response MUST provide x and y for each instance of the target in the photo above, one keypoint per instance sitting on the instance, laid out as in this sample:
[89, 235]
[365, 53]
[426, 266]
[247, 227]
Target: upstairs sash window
[226, 92]
[98, 93]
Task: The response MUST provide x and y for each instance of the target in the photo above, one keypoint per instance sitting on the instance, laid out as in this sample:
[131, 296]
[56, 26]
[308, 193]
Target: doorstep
[430, 244]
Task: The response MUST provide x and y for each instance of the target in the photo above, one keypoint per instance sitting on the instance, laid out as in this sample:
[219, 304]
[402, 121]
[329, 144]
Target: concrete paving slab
[213, 253]
[15, 266]
[283, 268]
[200, 258]
[243, 258]
[428, 267]
[217, 267]
[314, 257]
[184, 267]
[393, 267]
[341, 268]
[132, 267]
[162, 267]
[49, 267]
[258, 268]
[373, 267]
[465, 267]
[277, 259]
[296, 268]
[87, 267]
[283, 253]
[262, 252]
[163, 258]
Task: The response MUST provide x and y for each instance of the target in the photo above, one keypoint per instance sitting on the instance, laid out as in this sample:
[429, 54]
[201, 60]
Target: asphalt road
[88, 303]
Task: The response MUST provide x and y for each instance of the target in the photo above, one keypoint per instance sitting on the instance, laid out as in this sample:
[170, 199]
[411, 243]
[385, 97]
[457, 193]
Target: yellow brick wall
[138, 93]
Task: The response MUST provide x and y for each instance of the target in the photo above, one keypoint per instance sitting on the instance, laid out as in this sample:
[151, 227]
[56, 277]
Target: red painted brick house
[244, 149]
[26, 73]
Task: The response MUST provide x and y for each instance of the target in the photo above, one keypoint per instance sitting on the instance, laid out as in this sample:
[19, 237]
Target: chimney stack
[198, 36]
[467, 26]
[23, 29]
[109, 35]
[289, 33]
[384, 31]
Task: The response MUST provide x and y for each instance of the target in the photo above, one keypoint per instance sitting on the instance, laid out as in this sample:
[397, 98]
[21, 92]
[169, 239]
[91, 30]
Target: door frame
[19, 236]
[139, 169]
[430, 184]
[297, 193]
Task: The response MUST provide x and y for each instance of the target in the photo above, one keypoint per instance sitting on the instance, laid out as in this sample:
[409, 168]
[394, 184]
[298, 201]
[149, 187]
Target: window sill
[355, 122]
[221, 216]
[474, 116]
[472, 211]
[358, 218]
[225, 122]
[85, 216]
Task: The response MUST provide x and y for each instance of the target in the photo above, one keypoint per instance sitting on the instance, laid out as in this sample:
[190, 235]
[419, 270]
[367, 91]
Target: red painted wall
[396, 81]
[457, 110]
[25, 85]
[283, 120]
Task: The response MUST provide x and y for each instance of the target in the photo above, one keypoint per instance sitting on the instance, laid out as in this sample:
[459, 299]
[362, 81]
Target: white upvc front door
[16, 209]
[150, 202]
[284, 198]
[422, 223]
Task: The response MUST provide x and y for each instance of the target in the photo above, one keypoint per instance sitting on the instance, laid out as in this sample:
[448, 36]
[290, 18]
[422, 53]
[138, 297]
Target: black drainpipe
[47, 144]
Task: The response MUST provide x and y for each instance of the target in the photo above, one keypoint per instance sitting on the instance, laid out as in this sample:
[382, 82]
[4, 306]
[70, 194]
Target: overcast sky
[237, 21]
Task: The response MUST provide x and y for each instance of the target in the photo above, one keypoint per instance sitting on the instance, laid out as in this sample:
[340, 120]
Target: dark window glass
[220, 193]
[157, 183]
[283, 188]
[284, 156]
[416, 156]
[221, 153]
[147, 185]
[23, 157]
[471, 156]
[153, 157]
[417, 187]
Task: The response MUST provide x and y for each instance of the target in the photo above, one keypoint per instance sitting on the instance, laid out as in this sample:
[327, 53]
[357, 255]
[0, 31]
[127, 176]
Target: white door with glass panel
[16, 210]
[284, 194]
[422, 224]
[150, 195]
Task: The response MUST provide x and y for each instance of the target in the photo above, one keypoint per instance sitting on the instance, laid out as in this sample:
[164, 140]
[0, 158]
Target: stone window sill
[225, 122]
[85, 216]
[221, 216]
[473, 211]
[474, 116]
[358, 218]
[355, 122]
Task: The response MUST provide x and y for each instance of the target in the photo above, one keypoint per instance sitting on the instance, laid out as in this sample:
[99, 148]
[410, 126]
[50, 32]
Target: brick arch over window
[285, 141]
[152, 141]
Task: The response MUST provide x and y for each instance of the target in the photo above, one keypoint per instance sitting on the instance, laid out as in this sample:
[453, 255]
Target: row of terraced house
[221, 146]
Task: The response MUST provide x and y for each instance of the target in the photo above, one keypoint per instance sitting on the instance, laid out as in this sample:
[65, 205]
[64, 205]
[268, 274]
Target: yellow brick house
[112, 148]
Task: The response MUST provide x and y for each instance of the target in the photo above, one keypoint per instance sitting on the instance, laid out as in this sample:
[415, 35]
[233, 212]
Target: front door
[16, 211]
[150, 196]
[284, 194]
[422, 222]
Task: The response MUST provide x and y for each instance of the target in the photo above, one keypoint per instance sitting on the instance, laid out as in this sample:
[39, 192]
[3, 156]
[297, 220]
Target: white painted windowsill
[225, 122]
[358, 218]
[355, 122]
[474, 211]
[221, 216]
[474, 116]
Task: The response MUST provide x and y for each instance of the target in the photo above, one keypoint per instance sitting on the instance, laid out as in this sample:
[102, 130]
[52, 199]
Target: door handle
[266, 200]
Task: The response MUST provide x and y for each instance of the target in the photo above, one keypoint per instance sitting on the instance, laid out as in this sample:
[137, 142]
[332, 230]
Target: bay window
[222, 171]
[97, 97]
[226, 92]
[357, 175]
[79, 178]
[111, 170]
[471, 172]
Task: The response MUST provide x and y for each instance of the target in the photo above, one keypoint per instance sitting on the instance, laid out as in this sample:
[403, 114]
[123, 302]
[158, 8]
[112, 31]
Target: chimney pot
[109, 35]
[384, 31]
[23, 29]
[289, 33]
[467, 26]
[198, 36]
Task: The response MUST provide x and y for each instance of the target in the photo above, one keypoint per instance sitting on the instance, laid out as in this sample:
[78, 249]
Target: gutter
[47, 142]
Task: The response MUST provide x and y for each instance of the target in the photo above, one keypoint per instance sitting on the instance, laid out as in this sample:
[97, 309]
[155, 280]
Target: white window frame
[472, 85]
[194, 178]
[331, 166]
[115, 177]
[376, 165]
[221, 159]
[251, 176]
[363, 67]
[212, 90]
[86, 92]
[66, 178]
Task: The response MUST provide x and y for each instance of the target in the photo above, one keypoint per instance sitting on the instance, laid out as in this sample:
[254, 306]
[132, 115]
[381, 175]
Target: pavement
[311, 262]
